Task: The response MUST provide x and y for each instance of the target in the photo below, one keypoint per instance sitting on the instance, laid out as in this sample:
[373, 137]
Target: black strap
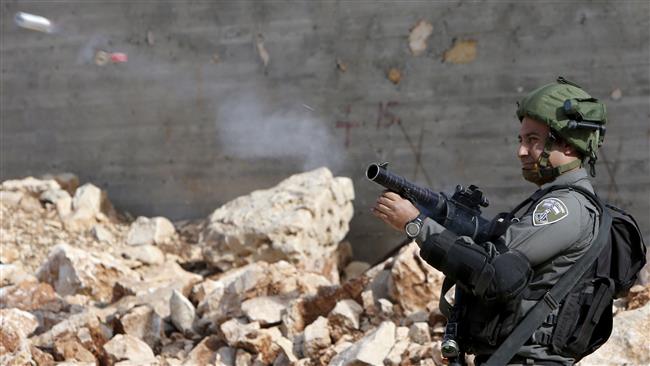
[558, 292]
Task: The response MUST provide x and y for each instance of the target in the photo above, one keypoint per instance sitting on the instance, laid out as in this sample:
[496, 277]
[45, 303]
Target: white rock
[11, 198]
[87, 202]
[204, 353]
[419, 333]
[90, 319]
[202, 289]
[11, 274]
[394, 357]
[234, 329]
[368, 299]
[60, 199]
[161, 281]
[414, 283]
[287, 349]
[317, 337]
[402, 334]
[144, 323]
[264, 309]
[301, 220]
[19, 319]
[102, 235]
[346, 312]
[68, 181]
[371, 349]
[182, 312]
[124, 347]
[71, 271]
[14, 345]
[146, 254]
[145, 231]
[385, 307]
[29, 185]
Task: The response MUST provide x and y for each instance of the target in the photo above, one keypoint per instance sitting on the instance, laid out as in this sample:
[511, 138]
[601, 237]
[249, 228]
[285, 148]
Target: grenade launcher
[460, 213]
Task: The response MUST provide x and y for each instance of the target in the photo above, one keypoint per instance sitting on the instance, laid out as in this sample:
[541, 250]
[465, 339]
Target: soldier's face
[532, 137]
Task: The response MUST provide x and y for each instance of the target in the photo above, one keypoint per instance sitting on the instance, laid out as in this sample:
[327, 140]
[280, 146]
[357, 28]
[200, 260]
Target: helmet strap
[544, 172]
[592, 165]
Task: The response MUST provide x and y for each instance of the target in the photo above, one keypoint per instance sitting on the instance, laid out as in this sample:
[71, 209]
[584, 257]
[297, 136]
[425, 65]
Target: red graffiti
[348, 125]
[386, 118]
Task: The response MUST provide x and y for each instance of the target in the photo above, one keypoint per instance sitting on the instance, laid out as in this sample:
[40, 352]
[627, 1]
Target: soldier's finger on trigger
[385, 201]
[391, 196]
[383, 208]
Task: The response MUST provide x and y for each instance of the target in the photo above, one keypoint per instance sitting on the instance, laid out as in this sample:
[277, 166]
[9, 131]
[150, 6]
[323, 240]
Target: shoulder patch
[548, 211]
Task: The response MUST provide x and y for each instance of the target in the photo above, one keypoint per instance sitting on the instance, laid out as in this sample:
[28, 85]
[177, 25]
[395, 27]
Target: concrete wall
[194, 119]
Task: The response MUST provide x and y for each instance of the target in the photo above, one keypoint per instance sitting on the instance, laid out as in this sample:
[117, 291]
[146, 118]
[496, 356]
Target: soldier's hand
[394, 210]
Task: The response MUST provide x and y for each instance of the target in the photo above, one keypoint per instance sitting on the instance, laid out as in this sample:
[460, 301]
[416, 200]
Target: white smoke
[250, 127]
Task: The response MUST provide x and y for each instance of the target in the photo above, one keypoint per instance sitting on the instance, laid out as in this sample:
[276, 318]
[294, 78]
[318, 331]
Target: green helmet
[570, 112]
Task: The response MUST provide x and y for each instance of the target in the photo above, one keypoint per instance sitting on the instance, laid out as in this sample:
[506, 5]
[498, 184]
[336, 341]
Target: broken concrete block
[70, 350]
[29, 185]
[19, 319]
[301, 220]
[205, 353]
[67, 181]
[145, 254]
[419, 333]
[102, 235]
[262, 342]
[396, 354]
[414, 283]
[146, 231]
[124, 347]
[11, 274]
[346, 313]
[317, 337]
[31, 296]
[264, 309]
[60, 199]
[144, 323]
[182, 312]
[86, 206]
[87, 327]
[371, 349]
[385, 308]
[235, 329]
[71, 271]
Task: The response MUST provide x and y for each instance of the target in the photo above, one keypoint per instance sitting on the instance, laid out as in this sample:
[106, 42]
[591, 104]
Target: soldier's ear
[568, 149]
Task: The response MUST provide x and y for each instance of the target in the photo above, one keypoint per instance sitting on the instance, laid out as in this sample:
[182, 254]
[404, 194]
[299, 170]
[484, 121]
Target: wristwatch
[414, 226]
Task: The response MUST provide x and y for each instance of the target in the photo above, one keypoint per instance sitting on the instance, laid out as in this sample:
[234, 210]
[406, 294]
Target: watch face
[412, 229]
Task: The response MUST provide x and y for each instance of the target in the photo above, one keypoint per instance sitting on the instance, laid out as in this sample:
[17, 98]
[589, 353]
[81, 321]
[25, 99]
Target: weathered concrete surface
[195, 119]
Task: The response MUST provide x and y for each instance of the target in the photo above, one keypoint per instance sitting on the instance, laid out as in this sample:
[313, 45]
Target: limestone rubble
[266, 279]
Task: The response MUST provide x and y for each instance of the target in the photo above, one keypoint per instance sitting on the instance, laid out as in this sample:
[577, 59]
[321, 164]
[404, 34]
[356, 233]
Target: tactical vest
[582, 321]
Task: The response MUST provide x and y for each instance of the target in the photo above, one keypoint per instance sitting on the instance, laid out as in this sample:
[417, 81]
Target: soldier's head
[562, 127]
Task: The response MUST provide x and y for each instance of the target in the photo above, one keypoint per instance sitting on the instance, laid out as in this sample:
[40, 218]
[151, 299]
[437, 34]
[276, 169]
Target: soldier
[560, 132]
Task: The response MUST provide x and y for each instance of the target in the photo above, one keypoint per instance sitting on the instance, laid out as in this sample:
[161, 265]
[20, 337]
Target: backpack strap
[558, 292]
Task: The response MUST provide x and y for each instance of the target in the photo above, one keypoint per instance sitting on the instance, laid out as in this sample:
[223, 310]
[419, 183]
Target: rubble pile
[266, 279]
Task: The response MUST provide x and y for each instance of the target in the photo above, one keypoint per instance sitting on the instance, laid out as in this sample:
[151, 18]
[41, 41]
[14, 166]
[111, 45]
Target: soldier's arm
[504, 276]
